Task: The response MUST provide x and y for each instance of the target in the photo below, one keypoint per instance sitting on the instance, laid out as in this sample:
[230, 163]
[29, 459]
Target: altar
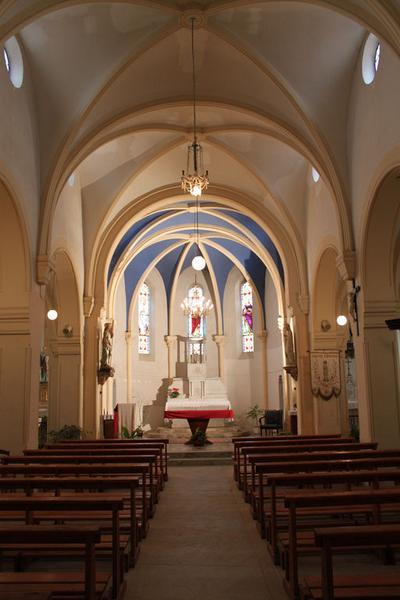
[193, 396]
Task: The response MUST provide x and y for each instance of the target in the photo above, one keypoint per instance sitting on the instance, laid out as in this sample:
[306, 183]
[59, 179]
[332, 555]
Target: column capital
[303, 300]
[88, 304]
[44, 266]
[170, 339]
[346, 264]
[219, 339]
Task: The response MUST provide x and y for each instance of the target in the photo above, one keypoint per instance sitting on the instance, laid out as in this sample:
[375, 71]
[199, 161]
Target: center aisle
[203, 544]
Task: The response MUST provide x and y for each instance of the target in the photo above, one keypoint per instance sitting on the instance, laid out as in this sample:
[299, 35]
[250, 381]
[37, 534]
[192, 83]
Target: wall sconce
[67, 330]
[341, 320]
[52, 314]
[325, 325]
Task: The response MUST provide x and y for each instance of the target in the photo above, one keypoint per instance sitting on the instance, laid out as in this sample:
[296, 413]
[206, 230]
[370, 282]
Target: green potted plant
[173, 392]
[253, 414]
[131, 435]
[67, 432]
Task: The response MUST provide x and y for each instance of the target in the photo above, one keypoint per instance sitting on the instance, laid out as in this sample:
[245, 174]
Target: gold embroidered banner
[325, 373]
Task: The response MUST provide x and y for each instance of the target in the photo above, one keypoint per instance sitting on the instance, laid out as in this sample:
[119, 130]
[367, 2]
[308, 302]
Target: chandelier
[194, 182]
[196, 304]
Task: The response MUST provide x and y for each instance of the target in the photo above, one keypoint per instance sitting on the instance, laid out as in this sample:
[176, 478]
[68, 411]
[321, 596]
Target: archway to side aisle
[19, 332]
[63, 343]
[379, 300]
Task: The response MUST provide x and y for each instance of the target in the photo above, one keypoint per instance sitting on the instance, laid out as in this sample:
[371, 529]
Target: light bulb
[341, 320]
[196, 190]
[198, 263]
[52, 314]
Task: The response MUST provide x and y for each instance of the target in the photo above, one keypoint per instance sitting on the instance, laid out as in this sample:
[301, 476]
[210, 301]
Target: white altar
[196, 390]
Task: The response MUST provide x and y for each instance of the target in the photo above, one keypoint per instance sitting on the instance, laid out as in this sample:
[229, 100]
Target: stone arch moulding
[296, 288]
[316, 156]
[325, 288]
[379, 240]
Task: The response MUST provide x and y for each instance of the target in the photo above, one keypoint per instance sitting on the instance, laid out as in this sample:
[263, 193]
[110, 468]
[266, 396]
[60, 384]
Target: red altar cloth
[198, 414]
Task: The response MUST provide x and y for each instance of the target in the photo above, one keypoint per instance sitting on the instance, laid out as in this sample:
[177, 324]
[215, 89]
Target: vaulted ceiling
[112, 87]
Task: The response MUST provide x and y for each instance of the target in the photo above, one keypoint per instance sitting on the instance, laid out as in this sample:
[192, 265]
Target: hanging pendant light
[196, 305]
[195, 180]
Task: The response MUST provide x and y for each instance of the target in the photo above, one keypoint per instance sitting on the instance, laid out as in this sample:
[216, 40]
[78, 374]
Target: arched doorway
[380, 301]
[19, 357]
[63, 343]
[329, 342]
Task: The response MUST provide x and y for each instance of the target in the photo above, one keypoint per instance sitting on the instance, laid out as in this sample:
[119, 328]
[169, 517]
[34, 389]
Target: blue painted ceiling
[182, 222]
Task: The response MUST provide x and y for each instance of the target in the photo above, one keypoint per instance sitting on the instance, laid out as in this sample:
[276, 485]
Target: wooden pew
[254, 454]
[346, 479]
[119, 443]
[311, 456]
[277, 442]
[337, 502]
[149, 460]
[81, 452]
[29, 485]
[34, 507]
[372, 586]
[77, 470]
[264, 471]
[88, 584]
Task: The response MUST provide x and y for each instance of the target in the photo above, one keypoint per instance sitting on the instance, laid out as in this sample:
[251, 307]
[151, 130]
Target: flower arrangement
[173, 392]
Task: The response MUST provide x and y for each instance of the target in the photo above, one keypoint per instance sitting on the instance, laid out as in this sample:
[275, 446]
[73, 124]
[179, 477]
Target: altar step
[182, 434]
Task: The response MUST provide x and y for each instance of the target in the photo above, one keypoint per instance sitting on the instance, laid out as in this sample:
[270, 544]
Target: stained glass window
[196, 321]
[144, 319]
[246, 298]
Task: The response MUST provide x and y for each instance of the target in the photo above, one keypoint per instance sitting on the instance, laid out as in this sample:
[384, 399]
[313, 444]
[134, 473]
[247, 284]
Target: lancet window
[246, 299]
[144, 319]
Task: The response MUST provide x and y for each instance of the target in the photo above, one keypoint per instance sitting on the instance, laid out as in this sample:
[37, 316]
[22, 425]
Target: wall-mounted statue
[290, 357]
[106, 370]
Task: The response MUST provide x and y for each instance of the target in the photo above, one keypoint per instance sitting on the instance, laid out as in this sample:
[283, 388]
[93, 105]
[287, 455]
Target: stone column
[129, 391]
[220, 340]
[19, 377]
[305, 405]
[377, 363]
[65, 383]
[91, 392]
[170, 340]
[263, 337]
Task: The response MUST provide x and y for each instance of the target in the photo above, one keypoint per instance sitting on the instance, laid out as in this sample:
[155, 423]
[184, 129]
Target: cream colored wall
[374, 132]
[67, 232]
[274, 344]
[149, 372]
[19, 158]
[244, 371]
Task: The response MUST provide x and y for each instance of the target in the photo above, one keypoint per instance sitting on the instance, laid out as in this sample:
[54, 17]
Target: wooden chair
[272, 421]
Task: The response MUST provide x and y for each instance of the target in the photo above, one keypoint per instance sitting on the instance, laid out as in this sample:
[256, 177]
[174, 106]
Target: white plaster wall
[274, 343]
[19, 157]
[374, 132]
[243, 371]
[322, 226]
[67, 231]
[119, 357]
[150, 372]
[180, 327]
